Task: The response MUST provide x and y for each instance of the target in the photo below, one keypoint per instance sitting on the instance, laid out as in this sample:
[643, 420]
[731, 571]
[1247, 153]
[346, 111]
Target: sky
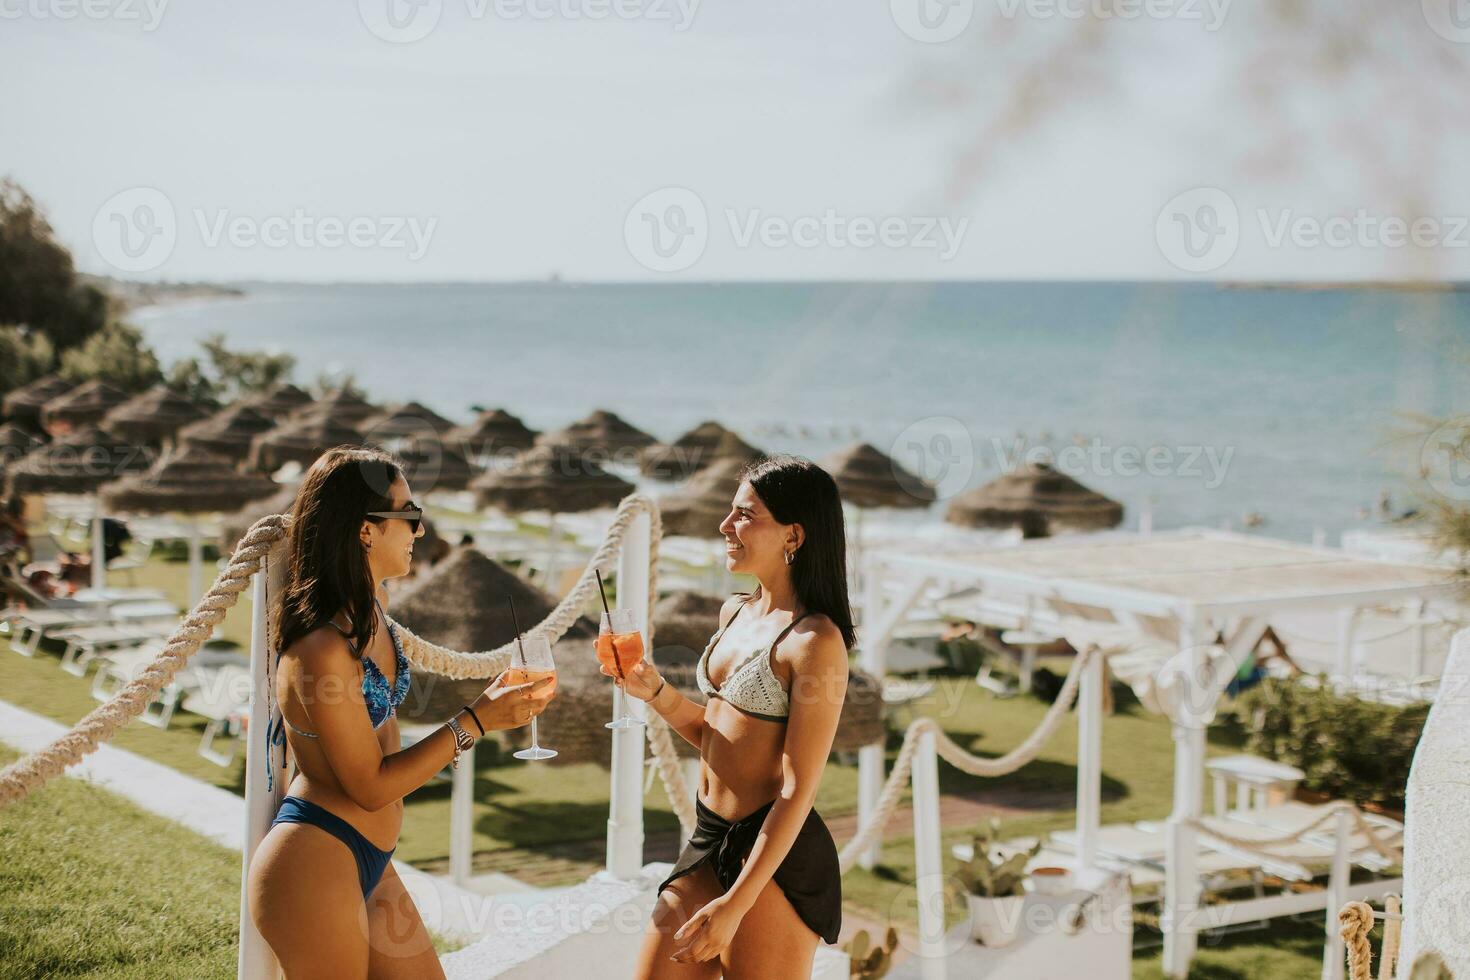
[678, 140]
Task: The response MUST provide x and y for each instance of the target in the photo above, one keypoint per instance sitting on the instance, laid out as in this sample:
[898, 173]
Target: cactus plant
[866, 963]
[994, 879]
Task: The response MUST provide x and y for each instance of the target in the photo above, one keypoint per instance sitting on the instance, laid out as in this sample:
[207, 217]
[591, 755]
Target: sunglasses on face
[413, 513]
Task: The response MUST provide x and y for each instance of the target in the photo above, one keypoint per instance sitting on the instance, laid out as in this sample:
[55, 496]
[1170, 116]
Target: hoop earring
[790, 557]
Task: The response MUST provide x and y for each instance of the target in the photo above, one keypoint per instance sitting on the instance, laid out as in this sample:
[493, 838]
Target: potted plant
[993, 889]
[866, 962]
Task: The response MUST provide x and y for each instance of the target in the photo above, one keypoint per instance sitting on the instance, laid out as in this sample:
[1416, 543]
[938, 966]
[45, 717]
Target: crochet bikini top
[752, 686]
[381, 702]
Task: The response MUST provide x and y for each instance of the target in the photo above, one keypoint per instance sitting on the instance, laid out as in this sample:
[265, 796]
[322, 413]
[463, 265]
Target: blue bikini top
[381, 702]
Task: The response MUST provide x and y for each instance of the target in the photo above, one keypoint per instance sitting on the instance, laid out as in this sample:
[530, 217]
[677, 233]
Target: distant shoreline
[128, 296]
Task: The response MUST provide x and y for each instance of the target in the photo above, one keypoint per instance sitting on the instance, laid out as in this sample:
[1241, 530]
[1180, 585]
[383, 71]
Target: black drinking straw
[516, 620]
[602, 591]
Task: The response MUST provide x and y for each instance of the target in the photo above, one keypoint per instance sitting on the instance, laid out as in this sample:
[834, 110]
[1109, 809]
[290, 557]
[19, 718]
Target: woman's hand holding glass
[508, 704]
[642, 682]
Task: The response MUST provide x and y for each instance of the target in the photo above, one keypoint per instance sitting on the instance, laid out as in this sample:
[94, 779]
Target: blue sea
[1197, 403]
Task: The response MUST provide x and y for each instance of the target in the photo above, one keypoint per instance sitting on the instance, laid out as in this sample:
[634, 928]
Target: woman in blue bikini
[758, 884]
[322, 890]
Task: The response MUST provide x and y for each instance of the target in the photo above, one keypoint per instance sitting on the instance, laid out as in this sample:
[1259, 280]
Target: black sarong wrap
[808, 875]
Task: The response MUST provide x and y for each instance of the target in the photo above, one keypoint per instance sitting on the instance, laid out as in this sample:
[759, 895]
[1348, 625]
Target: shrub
[1349, 748]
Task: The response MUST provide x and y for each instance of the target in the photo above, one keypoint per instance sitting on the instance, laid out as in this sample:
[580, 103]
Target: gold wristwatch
[462, 739]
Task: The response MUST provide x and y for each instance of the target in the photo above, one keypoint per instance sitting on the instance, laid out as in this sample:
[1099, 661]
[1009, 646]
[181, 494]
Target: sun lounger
[84, 643]
[221, 695]
[118, 667]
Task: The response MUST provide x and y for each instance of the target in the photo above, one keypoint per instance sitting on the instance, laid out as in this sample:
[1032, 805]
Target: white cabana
[1177, 613]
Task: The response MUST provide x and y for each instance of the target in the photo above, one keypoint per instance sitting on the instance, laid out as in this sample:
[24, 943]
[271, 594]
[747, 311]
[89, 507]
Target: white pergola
[1174, 592]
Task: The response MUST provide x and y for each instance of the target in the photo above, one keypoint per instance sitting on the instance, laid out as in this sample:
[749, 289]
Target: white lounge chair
[221, 695]
[84, 643]
[118, 667]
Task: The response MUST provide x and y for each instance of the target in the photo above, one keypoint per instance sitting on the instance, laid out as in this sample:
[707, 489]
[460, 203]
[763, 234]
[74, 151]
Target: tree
[245, 372]
[189, 378]
[24, 356]
[39, 285]
[117, 355]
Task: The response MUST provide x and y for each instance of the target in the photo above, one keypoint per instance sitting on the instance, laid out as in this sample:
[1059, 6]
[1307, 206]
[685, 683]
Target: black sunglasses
[413, 513]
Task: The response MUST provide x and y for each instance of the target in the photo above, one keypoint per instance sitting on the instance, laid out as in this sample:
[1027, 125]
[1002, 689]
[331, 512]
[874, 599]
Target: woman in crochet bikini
[322, 890]
[758, 885]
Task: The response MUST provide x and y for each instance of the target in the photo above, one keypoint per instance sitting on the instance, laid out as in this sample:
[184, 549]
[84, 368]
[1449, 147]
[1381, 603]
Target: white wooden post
[870, 757]
[462, 819]
[928, 859]
[625, 812]
[196, 565]
[1089, 764]
[256, 961]
[99, 554]
[1181, 874]
[1347, 624]
[1333, 951]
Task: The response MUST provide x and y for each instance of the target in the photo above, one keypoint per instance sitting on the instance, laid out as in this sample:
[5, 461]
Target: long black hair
[798, 491]
[327, 569]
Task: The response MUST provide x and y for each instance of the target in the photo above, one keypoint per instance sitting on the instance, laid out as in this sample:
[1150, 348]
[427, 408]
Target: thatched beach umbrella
[23, 405]
[495, 431]
[233, 526]
[278, 401]
[190, 481]
[602, 431]
[405, 420]
[697, 509]
[695, 450]
[554, 478]
[154, 416]
[1037, 499]
[300, 440]
[462, 604]
[229, 432]
[341, 406]
[430, 464]
[15, 441]
[84, 405]
[79, 463]
[867, 477]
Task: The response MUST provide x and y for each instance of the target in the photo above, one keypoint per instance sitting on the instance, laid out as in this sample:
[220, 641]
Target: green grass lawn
[524, 811]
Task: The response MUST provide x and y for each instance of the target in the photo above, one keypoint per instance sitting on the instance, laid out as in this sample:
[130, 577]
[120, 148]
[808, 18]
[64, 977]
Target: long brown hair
[798, 491]
[327, 569]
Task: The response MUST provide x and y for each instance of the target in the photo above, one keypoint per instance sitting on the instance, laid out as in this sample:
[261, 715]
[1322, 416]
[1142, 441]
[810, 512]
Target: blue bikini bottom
[371, 861]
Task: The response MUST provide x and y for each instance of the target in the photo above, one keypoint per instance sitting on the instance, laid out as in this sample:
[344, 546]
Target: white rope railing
[1260, 846]
[32, 771]
[871, 832]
